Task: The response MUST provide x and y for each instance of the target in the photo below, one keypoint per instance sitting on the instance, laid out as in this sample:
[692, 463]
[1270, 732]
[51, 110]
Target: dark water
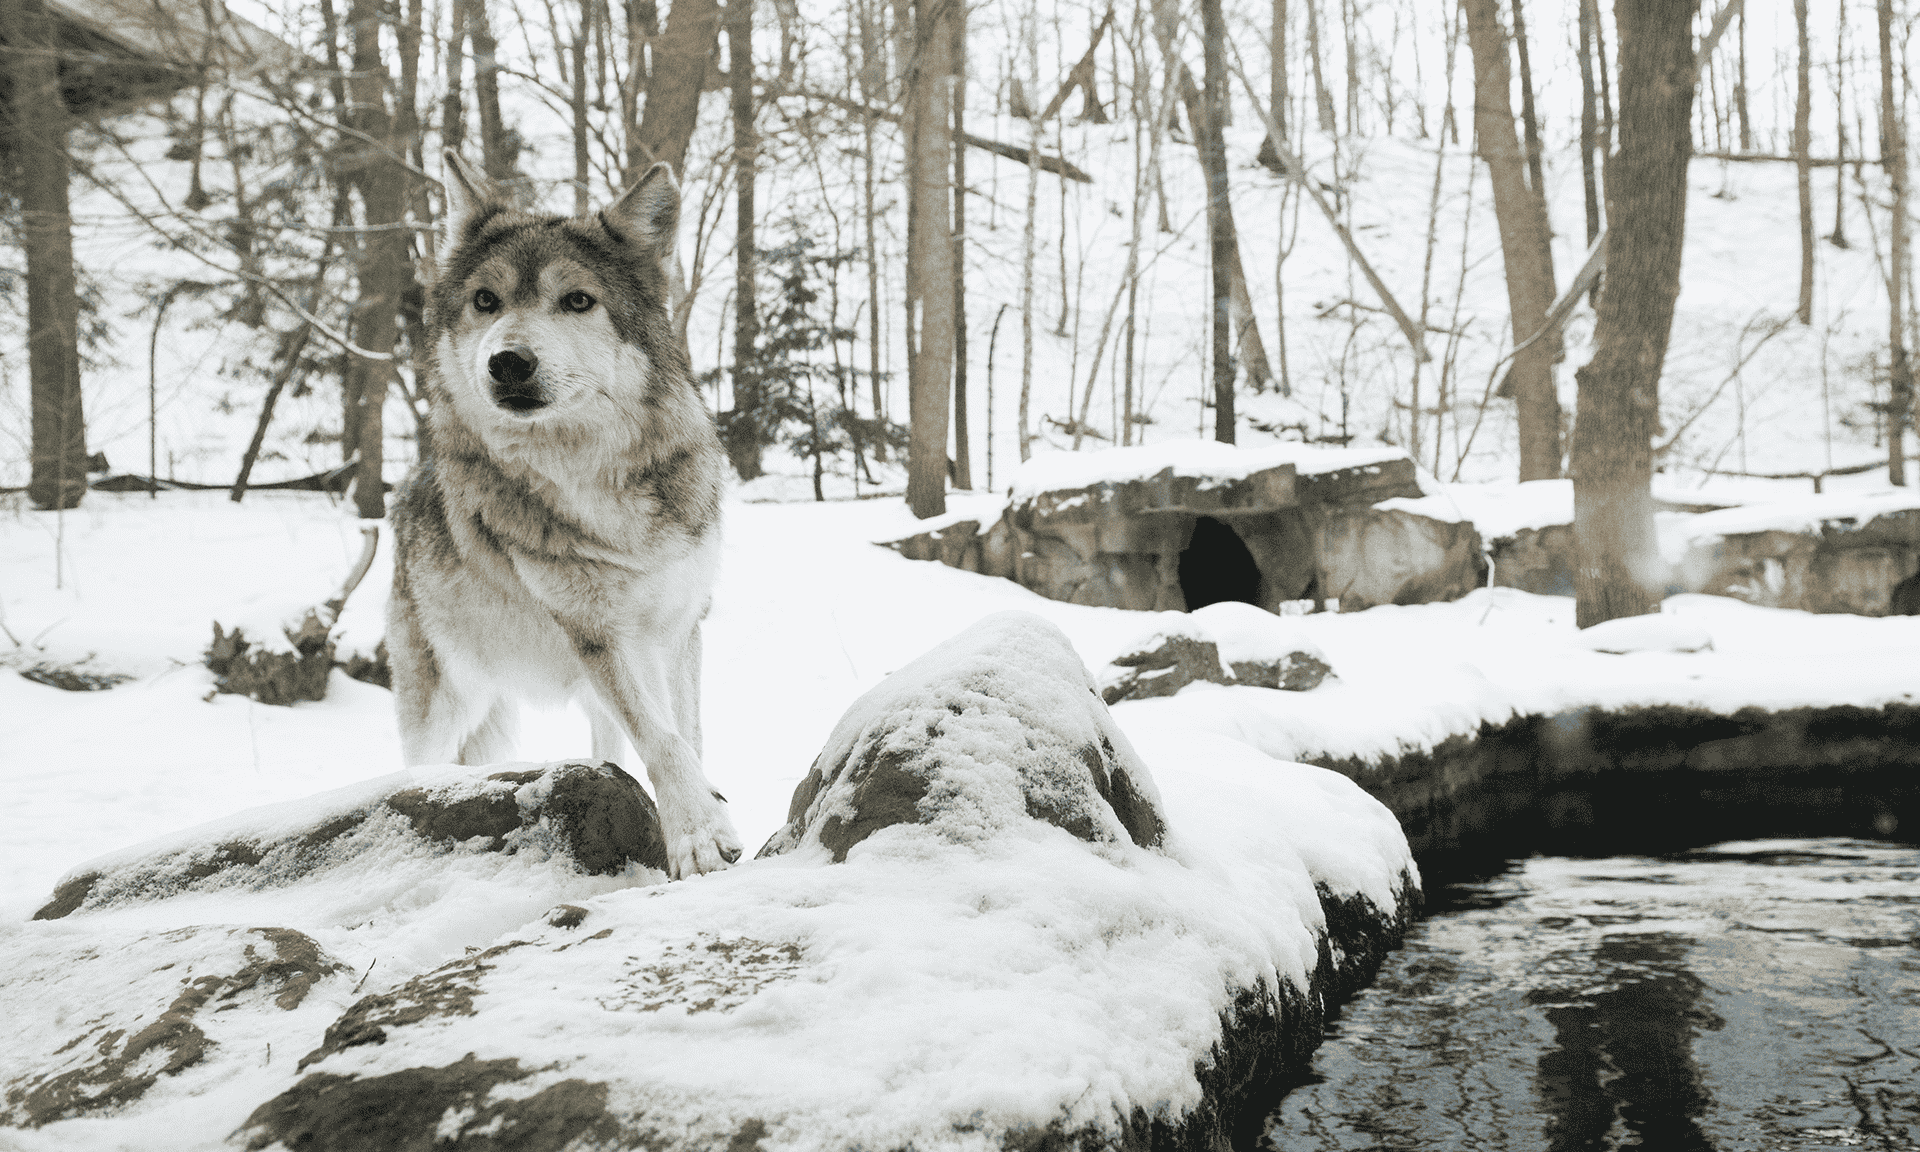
[1752, 995]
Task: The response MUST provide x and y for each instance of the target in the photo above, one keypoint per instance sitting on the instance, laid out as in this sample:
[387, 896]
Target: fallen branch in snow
[1816, 477]
[1761, 157]
[276, 673]
[1054, 164]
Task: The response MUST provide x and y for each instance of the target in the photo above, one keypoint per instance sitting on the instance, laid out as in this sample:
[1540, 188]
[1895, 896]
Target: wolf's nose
[513, 364]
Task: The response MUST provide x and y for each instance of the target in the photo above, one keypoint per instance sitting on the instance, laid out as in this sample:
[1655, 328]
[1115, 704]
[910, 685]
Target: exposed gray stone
[592, 811]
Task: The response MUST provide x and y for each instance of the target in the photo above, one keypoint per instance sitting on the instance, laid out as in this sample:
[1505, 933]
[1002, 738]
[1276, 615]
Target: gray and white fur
[561, 533]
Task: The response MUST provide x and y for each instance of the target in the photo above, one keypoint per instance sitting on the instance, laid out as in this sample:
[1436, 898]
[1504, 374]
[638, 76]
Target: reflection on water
[1758, 995]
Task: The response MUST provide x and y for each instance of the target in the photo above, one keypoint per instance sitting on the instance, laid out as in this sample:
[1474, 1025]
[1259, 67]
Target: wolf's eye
[485, 301]
[576, 302]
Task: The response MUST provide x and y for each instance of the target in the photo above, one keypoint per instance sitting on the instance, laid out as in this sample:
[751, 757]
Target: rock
[1371, 556]
[1226, 643]
[410, 1109]
[146, 1008]
[588, 811]
[927, 746]
[1537, 560]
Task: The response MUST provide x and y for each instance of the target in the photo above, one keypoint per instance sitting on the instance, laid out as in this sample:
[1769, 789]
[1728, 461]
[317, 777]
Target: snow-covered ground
[808, 615]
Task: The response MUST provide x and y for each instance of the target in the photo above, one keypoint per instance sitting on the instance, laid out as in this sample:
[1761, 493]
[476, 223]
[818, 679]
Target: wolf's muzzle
[514, 387]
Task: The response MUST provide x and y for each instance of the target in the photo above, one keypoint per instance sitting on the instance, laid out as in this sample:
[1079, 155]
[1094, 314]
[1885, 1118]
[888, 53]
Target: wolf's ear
[647, 215]
[466, 191]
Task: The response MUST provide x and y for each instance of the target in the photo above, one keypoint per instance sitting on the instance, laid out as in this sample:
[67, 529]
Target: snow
[1658, 632]
[1111, 970]
[1802, 514]
[1496, 510]
[1208, 459]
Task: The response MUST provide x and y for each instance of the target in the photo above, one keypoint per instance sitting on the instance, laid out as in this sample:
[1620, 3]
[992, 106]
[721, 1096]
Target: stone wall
[1314, 537]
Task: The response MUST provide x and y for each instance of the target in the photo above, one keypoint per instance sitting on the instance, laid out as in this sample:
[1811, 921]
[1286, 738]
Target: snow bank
[1495, 510]
[1800, 514]
[1655, 632]
[1208, 459]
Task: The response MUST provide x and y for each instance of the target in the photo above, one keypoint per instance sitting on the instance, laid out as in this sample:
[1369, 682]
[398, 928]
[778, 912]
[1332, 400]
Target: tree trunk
[1323, 99]
[1617, 560]
[1893, 152]
[744, 432]
[873, 87]
[962, 449]
[1740, 85]
[1589, 120]
[1802, 119]
[385, 271]
[1530, 123]
[453, 122]
[1839, 236]
[1027, 252]
[38, 141]
[1213, 160]
[582, 131]
[930, 300]
[1246, 327]
[1277, 93]
[1524, 231]
[681, 57]
[494, 159]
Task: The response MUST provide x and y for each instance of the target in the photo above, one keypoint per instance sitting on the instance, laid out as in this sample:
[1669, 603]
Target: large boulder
[1371, 556]
[588, 813]
[928, 746]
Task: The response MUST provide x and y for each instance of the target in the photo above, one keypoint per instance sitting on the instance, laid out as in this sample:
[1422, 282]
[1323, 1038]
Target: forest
[923, 241]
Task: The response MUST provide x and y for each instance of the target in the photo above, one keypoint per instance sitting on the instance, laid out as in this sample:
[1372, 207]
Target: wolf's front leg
[638, 688]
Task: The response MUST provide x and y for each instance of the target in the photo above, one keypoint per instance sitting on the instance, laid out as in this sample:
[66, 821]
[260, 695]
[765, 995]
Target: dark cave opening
[1216, 566]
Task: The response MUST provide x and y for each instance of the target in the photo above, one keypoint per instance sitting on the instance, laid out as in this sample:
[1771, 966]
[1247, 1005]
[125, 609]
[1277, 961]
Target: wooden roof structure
[119, 54]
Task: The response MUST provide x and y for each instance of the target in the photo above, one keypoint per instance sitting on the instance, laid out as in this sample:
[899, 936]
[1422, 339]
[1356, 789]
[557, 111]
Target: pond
[1761, 994]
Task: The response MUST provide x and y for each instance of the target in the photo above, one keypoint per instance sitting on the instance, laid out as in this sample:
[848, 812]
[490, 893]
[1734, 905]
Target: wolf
[560, 535]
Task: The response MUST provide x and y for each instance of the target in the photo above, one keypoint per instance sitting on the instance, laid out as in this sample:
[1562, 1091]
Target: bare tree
[1616, 564]
[1893, 152]
[1521, 213]
[494, 159]
[962, 450]
[1027, 244]
[1802, 119]
[1213, 159]
[745, 433]
[682, 56]
[37, 141]
[930, 303]
[1323, 99]
[1529, 121]
[385, 273]
[1589, 117]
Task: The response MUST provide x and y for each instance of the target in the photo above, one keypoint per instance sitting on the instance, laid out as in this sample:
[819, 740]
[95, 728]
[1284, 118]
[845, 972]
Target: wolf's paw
[699, 835]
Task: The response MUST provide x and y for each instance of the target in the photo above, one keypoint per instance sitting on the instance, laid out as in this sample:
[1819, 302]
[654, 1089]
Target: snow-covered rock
[1045, 947]
[1225, 643]
[930, 745]
[585, 815]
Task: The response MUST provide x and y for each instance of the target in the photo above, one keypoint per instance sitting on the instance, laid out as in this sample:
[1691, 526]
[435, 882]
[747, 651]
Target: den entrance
[1216, 566]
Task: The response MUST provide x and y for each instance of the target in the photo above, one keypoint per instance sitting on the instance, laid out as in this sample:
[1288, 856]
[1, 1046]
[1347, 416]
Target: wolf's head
[556, 326]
